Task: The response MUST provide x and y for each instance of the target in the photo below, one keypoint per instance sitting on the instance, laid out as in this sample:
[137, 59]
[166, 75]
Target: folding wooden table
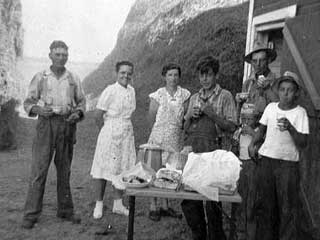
[152, 192]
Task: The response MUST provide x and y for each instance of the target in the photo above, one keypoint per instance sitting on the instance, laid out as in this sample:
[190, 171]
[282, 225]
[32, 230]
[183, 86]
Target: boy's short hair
[170, 66]
[207, 62]
[58, 44]
[121, 63]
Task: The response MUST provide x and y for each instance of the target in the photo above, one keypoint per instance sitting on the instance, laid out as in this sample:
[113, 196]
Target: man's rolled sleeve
[80, 98]
[33, 95]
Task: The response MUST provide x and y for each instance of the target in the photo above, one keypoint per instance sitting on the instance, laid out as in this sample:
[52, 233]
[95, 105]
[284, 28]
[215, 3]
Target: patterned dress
[167, 129]
[115, 150]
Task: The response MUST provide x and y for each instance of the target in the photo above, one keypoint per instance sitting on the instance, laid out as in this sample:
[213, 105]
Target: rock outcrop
[161, 31]
[11, 47]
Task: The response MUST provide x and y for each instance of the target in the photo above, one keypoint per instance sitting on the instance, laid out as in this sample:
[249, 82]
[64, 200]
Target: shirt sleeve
[105, 99]
[190, 106]
[185, 94]
[134, 98]
[264, 118]
[33, 95]
[246, 84]
[302, 125]
[156, 95]
[80, 98]
[229, 107]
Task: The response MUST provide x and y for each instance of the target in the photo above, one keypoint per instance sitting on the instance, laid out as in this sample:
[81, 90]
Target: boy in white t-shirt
[286, 127]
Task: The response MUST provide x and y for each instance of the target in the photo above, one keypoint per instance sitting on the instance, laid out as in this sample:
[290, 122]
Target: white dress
[115, 149]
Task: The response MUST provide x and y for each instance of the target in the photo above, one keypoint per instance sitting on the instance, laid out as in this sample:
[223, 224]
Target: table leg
[233, 221]
[132, 200]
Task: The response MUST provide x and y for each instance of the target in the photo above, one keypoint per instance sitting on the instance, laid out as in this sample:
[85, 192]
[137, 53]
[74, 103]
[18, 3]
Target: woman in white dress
[166, 111]
[115, 149]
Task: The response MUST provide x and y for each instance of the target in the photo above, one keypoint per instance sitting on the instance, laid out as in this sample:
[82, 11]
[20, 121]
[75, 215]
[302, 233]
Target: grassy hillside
[219, 32]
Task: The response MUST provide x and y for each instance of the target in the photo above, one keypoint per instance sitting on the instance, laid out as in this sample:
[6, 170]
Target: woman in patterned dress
[115, 149]
[166, 111]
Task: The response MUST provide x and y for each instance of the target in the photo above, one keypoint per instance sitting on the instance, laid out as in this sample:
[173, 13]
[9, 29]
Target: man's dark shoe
[154, 216]
[170, 213]
[28, 223]
[70, 218]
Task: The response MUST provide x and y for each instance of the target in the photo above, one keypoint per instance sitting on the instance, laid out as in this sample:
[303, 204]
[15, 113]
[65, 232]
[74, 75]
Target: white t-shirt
[280, 145]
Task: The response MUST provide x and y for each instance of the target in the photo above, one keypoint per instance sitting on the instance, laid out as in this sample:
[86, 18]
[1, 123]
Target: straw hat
[259, 46]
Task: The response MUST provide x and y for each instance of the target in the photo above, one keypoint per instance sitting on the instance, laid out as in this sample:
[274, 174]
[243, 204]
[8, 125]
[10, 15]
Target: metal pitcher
[150, 155]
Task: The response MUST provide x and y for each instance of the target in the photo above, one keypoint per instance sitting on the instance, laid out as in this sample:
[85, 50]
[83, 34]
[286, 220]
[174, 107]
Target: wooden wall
[310, 157]
[264, 6]
[304, 6]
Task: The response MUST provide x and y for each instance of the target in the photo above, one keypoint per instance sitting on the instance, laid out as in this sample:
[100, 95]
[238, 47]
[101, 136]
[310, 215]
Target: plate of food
[133, 181]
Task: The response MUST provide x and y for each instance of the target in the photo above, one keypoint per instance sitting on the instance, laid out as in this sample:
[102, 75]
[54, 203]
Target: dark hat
[259, 46]
[58, 44]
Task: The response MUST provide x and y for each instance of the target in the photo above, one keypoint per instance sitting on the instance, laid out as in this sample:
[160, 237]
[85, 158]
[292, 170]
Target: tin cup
[197, 105]
[280, 124]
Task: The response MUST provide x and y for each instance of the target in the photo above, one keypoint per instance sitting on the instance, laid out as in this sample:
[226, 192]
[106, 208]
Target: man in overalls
[57, 98]
[211, 114]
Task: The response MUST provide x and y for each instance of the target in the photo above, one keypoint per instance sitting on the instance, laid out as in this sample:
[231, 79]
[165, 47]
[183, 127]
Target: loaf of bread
[166, 178]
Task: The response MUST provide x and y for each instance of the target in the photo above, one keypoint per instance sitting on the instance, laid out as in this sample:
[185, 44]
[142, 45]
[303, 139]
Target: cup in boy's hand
[196, 109]
[281, 118]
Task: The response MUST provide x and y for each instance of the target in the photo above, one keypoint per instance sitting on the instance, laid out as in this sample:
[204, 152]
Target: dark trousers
[54, 137]
[195, 216]
[277, 200]
[247, 189]
[8, 123]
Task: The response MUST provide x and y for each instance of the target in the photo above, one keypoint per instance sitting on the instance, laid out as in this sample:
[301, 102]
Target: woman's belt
[117, 118]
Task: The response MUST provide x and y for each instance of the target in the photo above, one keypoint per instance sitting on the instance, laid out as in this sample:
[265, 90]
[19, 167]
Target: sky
[89, 27]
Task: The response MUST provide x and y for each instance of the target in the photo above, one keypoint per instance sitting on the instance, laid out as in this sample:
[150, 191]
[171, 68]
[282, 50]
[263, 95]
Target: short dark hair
[207, 62]
[170, 66]
[58, 44]
[121, 63]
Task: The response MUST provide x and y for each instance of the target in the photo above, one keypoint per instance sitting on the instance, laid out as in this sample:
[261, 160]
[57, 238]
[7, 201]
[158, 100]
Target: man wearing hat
[257, 92]
[56, 97]
[260, 85]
